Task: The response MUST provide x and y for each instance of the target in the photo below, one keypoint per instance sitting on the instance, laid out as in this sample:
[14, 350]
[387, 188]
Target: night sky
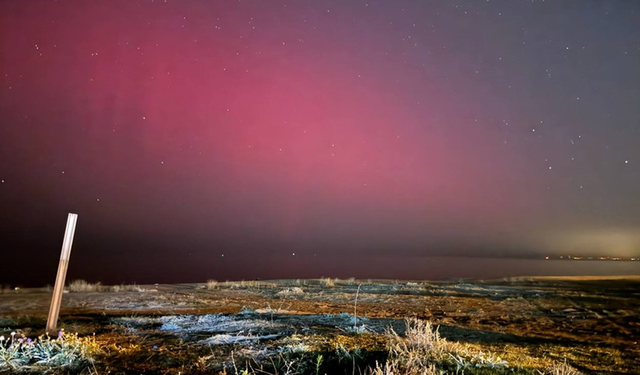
[263, 139]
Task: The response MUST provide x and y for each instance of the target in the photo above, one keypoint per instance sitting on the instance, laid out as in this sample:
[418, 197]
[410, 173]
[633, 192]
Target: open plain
[329, 326]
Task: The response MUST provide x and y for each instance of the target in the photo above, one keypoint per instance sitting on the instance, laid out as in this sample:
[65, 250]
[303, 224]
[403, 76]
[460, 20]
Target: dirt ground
[591, 323]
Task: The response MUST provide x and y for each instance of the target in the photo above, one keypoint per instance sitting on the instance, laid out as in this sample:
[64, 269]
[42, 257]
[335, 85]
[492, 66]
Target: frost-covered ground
[592, 324]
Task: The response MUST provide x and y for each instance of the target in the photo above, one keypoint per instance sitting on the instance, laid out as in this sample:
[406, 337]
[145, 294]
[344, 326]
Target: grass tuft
[81, 286]
[423, 351]
[212, 284]
[290, 292]
[327, 282]
[127, 288]
[19, 353]
[560, 368]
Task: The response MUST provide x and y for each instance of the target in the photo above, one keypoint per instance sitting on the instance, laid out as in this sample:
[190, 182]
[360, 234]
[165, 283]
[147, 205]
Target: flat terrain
[591, 323]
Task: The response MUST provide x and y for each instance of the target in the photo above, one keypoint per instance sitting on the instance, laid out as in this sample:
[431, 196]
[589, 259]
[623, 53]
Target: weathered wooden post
[56, 300]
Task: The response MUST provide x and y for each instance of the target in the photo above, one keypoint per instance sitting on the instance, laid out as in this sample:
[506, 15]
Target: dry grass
[419, 352]
[66, 352]
[127, 288]
[243, 284]
[327, 282]
[392, 368]
[560, 368]
[469, 340]
[213, 284]
[423, 351]
[81, 286]
[288, 292]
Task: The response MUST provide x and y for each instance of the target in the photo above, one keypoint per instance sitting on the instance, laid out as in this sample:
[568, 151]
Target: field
[330, 326]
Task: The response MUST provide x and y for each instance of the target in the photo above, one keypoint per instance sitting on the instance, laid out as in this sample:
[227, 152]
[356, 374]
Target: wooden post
[56, 300]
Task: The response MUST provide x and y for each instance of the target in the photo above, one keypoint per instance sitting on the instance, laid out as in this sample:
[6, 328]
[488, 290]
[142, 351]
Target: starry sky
[253, 139]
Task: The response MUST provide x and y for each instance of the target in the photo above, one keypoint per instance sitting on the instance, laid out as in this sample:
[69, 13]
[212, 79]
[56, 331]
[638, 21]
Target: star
[459, 139]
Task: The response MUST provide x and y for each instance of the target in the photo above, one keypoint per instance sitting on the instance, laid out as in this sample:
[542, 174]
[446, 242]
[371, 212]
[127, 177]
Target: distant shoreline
[575, 278]
[8, 288]
[591, 258]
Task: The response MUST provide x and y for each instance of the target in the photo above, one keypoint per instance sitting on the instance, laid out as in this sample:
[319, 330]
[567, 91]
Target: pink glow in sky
[266, 128]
